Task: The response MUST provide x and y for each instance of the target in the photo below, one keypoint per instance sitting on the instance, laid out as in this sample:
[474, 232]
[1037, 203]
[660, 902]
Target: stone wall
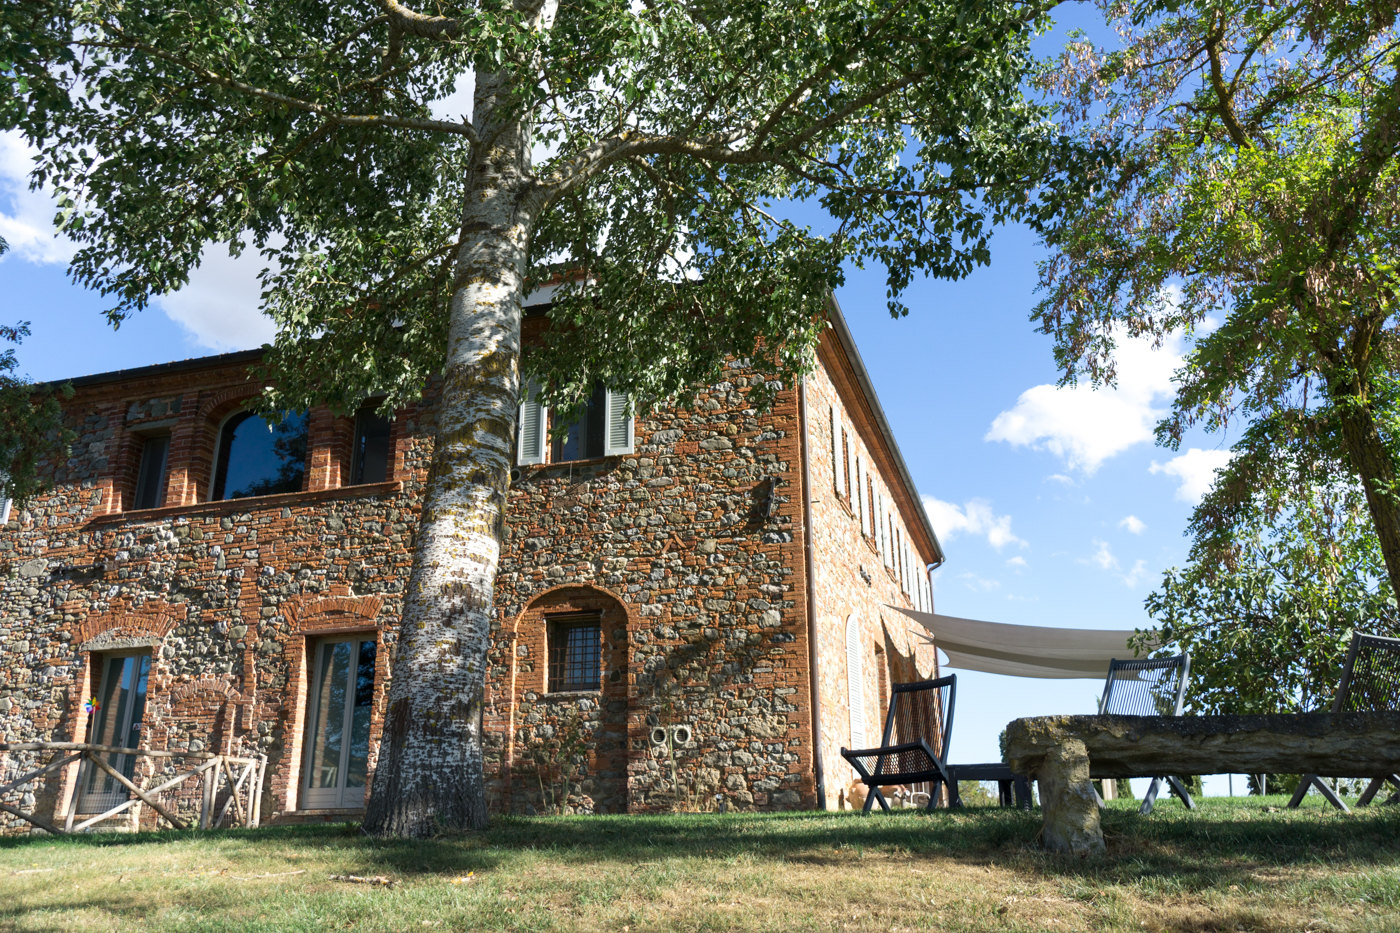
[691, 550]
[698, 535]
[853, 580]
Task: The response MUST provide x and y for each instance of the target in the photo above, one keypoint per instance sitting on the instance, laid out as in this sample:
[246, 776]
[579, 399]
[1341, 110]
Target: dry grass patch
[1233, 865]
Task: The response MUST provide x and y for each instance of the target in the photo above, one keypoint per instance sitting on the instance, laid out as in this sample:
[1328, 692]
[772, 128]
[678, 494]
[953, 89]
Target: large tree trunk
[429, 776]
[1374, 464]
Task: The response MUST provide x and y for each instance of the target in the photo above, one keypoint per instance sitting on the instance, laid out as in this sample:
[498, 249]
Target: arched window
[855, 682]
[259, 459]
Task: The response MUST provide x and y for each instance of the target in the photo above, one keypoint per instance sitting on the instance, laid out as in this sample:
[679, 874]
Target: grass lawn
[1236, 864]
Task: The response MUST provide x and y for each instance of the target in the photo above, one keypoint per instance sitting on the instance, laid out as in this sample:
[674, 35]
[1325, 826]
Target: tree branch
[1217, 80]
[286, 100]
[421, 25]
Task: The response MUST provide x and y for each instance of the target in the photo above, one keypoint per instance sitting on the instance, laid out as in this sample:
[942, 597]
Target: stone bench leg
[1068, 804]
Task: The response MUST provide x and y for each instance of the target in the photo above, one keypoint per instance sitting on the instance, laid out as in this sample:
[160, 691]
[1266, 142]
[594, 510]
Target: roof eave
[848, 346]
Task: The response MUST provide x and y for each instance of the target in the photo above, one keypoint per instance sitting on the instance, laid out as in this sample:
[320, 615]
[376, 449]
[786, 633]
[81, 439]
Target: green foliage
[665, 133]
[1252, 204]
[1269, 600]
[31, 424]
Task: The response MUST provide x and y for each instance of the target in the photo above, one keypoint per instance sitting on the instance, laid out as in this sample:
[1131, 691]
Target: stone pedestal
[1069, 808]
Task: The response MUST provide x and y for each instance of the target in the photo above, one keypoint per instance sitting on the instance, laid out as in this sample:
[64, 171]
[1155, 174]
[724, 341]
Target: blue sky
[1053, 505]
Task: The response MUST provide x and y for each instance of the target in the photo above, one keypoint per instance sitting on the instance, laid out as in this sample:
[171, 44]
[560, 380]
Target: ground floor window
[338, 721]
[116, 712]
[575, 650]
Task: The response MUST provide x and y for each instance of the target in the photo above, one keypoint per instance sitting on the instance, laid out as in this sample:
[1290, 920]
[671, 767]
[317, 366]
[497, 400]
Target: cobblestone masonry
[690, 552]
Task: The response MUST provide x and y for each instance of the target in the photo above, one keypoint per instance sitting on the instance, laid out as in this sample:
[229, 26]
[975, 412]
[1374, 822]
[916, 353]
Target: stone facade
[691, 553]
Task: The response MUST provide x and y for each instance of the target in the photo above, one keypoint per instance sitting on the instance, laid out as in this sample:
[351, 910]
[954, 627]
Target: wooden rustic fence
[227, 784]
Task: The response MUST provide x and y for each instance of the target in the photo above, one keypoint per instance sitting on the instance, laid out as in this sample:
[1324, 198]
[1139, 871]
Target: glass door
[337, 731]
[116, 722]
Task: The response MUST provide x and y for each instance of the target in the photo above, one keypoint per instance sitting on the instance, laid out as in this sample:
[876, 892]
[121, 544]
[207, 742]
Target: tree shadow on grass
[1197, 850]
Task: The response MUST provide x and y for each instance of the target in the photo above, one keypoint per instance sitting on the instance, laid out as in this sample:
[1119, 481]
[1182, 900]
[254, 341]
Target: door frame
[309, 798]
[107, 799]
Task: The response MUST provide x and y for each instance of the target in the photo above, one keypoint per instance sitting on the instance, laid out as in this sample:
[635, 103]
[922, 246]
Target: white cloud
[1134, 524]
[219, 305]
[1017, 561]
[1059, 478]
[979, 584]
[1102, 557]
[1085, 426]
[1196, 470]
[1137, 574]
[26, 217]
[974, 517]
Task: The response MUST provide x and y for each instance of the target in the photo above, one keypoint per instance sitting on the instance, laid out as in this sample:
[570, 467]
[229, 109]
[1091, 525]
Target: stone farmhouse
[695, 604]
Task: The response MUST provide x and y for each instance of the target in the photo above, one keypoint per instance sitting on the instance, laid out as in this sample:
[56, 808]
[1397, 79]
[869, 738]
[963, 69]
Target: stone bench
[1064, 752]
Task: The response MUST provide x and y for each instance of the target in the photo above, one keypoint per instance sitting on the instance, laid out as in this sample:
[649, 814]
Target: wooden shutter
[855, 682]
[859, 494]
[851, 461]
[533, 427]
[617, 416]
[838, 478]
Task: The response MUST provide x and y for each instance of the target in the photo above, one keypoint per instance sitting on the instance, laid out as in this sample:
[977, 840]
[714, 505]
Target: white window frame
[618, 406]
[525, 457]
[838, 458]
[855, 682]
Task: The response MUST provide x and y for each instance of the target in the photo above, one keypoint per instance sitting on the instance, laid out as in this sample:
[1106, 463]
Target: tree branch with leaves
[636, 155]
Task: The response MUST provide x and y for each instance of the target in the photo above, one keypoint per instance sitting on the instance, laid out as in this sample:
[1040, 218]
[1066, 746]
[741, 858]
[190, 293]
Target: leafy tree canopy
[1285, 565]
[1256, 190]
[661, 132]
[630, 153]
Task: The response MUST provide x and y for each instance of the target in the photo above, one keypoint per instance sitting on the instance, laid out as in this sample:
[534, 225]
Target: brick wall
[854, 585]
[690, 552]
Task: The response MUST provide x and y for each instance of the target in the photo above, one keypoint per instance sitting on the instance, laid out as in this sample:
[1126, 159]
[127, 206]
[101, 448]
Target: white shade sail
[1024, 650]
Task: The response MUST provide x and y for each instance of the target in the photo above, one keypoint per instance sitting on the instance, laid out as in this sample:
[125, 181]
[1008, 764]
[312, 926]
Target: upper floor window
[604, 430]
[150, 477]
[371, 455]
[258, 459]
[583, 438]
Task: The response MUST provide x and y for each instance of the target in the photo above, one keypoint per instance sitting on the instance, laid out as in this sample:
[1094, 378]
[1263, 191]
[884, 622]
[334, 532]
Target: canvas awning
[1024, 650]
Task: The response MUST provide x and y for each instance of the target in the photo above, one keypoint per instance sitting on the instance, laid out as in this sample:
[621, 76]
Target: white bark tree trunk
[429, 777]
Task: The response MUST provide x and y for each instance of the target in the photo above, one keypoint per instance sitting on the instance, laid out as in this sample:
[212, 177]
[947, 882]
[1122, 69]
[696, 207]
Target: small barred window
[575, 649]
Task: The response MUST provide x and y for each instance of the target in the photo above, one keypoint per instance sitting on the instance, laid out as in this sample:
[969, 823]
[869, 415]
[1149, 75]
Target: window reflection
[259, 459]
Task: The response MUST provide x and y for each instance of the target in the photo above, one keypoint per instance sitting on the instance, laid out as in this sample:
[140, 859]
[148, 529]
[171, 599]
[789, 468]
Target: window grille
[575, 649]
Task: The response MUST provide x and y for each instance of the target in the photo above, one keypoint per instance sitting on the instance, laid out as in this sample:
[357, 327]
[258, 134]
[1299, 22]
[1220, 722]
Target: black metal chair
[1013, 790]
[914, 748]
[1148, 687]
[1370, 683]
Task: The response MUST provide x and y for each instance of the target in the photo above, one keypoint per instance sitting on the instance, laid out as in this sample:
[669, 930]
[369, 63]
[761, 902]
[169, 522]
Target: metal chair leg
[1376, 785]
[1150, 797]
[1181, 792]
[1023, 792]
[1302, 791]
[870, 796]
[1330, 795]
